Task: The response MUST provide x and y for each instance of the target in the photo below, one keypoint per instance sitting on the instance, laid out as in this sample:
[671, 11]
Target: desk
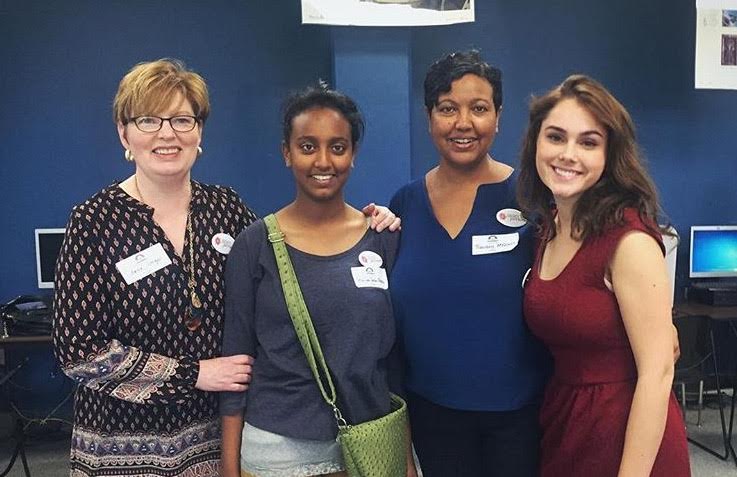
[17, 340]
[714, 314]
[19, 431]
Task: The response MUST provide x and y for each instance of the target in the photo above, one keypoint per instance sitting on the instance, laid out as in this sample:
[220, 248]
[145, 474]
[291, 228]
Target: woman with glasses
[140, 292]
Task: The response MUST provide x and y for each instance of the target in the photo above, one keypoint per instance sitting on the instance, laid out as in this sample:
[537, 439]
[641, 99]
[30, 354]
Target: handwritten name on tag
[143, 263]
[486, 244]
[370, 277]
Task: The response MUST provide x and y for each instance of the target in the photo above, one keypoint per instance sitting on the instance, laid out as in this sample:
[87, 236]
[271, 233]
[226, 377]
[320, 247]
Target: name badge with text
[486, 244]
[143, 263]
[370, 277]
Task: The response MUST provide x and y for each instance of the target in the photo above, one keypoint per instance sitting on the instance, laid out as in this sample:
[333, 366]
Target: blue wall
[644, 53]
[373, 66]
[61, 62]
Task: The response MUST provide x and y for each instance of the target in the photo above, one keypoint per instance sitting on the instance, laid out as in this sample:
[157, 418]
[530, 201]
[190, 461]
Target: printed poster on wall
[716, 44]
[387, 12]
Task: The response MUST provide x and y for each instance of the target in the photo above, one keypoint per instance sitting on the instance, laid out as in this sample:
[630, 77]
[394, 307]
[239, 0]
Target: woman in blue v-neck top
[474, 373]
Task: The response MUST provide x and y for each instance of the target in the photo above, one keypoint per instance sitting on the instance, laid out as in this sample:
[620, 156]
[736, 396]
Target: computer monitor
[48, 244]
[713, 251]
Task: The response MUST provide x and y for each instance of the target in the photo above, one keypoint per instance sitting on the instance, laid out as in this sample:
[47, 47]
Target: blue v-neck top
[459, 315]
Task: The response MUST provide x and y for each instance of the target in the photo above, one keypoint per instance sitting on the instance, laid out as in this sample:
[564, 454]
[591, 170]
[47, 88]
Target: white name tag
[370, 277]
[143, 263]
[222, 242]
[486, 244]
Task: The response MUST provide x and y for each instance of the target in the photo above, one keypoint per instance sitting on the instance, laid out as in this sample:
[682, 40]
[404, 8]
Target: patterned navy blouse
[137, 411]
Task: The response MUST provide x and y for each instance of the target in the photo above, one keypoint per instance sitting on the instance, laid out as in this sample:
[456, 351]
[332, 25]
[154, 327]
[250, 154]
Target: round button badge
[222, 242]
[511, 218]
[370, 259]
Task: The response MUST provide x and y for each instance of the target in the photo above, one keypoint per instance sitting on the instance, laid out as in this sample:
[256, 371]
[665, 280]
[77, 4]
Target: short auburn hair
[149, 87]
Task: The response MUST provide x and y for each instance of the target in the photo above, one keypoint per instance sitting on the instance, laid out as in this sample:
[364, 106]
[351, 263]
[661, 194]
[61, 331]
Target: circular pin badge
[222, 242]
[511, 218]
[370, 259]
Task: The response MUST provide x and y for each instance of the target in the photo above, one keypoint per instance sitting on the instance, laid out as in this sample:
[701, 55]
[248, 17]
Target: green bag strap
[301, 317]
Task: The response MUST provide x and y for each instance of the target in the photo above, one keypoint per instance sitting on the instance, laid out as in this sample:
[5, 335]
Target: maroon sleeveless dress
[587, 401]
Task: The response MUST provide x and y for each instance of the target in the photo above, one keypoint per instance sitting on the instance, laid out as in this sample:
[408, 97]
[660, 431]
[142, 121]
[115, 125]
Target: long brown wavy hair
[624, 183]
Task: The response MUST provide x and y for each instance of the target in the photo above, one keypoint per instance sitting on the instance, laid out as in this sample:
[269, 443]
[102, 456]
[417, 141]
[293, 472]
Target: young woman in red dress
[598, 294]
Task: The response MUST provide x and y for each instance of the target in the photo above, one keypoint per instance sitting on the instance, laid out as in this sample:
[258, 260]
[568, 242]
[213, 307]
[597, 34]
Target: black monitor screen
[48, 244]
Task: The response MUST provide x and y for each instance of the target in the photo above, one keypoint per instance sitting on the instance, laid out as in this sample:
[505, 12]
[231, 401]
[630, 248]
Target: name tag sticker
[370, 277]
[143, 263]
[486, 244]
[222, 242]
[511, 218]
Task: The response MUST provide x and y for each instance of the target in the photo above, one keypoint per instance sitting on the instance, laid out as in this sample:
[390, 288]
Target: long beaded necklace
[193, 318]
[193, 315]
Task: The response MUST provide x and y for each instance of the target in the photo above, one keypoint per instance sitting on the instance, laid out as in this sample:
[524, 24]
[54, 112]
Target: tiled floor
[47, 451]
[709, 433]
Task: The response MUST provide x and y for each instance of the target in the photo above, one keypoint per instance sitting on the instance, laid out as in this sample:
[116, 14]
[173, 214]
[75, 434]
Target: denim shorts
[265, 454]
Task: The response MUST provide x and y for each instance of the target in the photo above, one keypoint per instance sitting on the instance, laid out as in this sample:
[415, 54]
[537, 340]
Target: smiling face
[571, 151]
[320, 153]
[165, 153]
[463, 123]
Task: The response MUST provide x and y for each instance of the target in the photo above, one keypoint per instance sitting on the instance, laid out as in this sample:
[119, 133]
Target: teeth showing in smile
[462, 140]
[166, 150]
[322, 178]
[565, 172]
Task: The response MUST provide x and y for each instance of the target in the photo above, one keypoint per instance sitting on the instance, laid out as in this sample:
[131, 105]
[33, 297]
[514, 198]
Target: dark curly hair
[321, 96]
[444, 71]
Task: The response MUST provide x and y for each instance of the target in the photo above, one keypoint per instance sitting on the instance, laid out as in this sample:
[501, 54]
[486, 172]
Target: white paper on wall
[716, 44]
[387, 12]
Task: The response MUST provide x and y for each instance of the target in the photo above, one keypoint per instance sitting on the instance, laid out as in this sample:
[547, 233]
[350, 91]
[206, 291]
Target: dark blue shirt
[459, 316]
[354, 325]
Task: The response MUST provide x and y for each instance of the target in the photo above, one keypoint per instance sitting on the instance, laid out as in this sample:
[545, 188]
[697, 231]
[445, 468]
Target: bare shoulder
[637, 260]
[637, 245]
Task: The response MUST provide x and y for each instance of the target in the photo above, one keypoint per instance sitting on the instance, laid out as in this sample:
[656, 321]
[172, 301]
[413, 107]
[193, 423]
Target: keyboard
[723, 284]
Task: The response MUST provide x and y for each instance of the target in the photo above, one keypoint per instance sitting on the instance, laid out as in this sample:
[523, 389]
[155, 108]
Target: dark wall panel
[61, 63]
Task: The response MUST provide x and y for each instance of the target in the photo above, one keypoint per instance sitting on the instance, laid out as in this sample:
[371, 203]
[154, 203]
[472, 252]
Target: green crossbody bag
[376, 448]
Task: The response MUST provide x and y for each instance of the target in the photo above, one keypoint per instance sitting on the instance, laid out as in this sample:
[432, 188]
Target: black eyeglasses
[184, 123]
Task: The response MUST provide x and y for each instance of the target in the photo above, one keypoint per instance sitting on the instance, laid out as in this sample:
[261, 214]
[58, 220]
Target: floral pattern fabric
[137, 411]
